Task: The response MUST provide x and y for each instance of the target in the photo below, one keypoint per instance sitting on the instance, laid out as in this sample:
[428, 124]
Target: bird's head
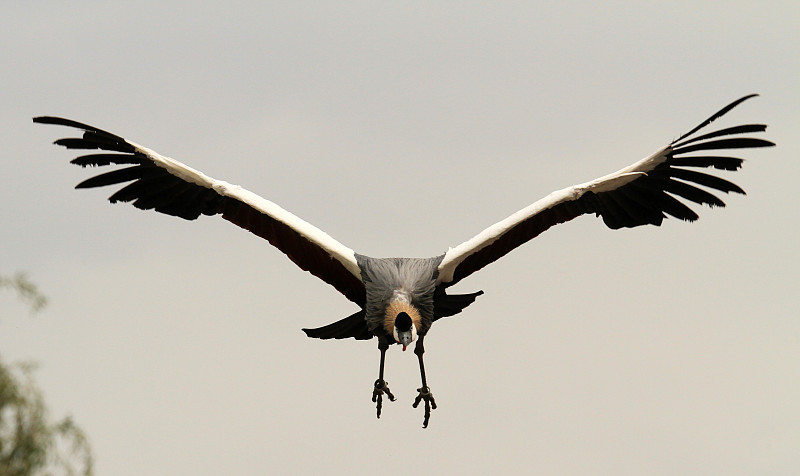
[404, 330]
[402, 321]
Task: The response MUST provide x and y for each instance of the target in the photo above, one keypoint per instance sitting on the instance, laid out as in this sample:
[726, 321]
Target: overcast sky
[401, 129]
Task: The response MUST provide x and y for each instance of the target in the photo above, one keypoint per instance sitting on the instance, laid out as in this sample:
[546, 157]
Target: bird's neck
[395, 307]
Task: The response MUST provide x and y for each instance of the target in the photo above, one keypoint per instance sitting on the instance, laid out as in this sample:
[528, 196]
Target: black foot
[430, 403]
[381, 387]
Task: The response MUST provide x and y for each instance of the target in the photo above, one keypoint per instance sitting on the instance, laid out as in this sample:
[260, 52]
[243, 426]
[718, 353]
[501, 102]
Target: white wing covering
[643, 193]
[168, 186]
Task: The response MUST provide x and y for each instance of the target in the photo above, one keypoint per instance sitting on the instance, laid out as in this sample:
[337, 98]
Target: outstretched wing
[641, 194]
[168, 186]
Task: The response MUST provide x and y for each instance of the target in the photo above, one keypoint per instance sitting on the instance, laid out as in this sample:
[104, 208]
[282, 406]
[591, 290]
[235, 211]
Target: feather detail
[394, 308]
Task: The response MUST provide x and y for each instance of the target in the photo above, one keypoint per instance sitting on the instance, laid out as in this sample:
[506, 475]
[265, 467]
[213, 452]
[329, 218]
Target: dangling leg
[381, 386]
[424, 392]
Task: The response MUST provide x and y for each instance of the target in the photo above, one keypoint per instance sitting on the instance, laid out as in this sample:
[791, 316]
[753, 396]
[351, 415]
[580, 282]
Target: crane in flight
[399, 299]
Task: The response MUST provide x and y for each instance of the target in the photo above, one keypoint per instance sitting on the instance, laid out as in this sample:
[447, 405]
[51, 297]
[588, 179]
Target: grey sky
[401, 129]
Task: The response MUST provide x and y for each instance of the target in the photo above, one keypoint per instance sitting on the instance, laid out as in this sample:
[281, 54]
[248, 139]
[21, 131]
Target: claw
[381, 387]
[430, 403]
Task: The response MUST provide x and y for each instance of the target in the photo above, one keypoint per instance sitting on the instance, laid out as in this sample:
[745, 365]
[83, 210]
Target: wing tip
[716, 116]
[60, 121]
[47, 119]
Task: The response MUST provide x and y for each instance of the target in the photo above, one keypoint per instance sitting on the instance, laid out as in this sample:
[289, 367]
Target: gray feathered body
[409, 280]
[393, 281]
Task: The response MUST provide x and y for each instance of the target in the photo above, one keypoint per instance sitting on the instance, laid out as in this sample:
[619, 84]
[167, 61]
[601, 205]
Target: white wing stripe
[335, 249]
[455, 256]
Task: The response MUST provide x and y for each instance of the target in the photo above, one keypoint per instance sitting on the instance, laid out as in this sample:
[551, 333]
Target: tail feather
[354, 326]
[446, 305]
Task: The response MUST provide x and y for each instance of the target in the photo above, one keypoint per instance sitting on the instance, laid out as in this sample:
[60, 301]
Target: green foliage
[29, 444]
[26, 290]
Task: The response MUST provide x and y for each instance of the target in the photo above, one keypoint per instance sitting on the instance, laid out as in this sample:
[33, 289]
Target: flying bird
[399, 299]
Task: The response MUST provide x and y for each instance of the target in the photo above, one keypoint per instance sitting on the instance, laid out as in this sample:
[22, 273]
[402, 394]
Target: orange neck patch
[394, 308]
